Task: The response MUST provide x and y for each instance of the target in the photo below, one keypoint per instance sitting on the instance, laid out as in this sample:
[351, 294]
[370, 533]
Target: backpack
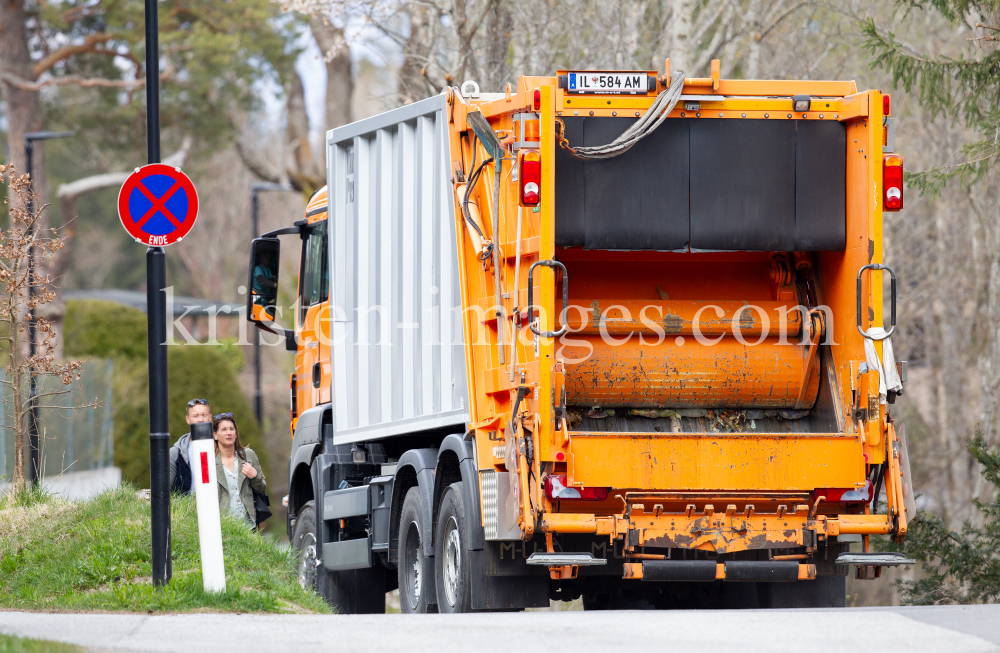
[182, 480]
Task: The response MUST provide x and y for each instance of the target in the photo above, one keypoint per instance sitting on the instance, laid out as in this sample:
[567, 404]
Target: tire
[415, 569]
[305, 544]
[358, 591]
[452, 559]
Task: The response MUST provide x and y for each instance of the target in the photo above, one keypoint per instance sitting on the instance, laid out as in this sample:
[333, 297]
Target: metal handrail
[892, 321]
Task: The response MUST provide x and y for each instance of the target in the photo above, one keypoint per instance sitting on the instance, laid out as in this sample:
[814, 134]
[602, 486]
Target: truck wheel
[415, 569]
[358, 591]
[451, 562]
[305, 545]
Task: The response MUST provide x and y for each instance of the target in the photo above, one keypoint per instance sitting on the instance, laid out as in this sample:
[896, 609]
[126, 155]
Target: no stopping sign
[158, 205]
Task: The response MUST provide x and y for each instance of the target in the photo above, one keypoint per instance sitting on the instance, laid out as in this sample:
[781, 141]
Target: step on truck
[614, 335]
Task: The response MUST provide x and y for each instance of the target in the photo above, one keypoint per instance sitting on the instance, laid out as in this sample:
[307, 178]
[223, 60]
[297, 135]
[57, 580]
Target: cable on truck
[641, 128]
[473, 178]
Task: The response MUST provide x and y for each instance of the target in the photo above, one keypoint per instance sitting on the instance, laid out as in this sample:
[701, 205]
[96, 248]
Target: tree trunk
[412, 82]
[467, 66]
[21, 106]
[339, 79]
[298, 130]
[681, 54]
[22, 111]
[500, 25]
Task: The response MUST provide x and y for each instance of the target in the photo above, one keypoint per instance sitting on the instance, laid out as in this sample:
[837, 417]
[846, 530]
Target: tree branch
[71, 80]
[777, 21]
[255, 166]
[89, 44]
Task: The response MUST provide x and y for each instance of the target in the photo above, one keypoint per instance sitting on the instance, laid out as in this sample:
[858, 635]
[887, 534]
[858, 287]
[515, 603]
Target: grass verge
[95, 555]
[11, 644]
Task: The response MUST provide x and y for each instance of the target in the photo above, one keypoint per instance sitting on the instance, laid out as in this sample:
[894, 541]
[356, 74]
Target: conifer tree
[965, 87]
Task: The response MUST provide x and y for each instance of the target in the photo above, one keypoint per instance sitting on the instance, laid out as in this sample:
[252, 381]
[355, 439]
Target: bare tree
[302, 167]
[17, 241]
[499, 31]
[339, 77]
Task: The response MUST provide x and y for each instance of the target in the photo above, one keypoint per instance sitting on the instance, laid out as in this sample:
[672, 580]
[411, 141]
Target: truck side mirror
[265, 256]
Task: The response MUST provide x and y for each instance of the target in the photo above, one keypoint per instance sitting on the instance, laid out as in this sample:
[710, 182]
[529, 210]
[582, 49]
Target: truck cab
[310, 382]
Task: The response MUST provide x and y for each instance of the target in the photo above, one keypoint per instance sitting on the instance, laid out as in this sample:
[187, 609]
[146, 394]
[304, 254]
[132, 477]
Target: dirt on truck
[621, 335]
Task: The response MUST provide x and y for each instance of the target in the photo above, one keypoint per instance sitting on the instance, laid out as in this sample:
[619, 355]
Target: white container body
[398, 348]
[206, 492]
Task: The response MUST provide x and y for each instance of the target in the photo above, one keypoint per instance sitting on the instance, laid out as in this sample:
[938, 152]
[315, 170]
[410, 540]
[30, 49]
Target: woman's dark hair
[228, 417]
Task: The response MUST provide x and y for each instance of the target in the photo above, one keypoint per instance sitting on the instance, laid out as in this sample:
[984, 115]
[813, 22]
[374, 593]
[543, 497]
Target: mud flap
[824, 592]
[505, 592]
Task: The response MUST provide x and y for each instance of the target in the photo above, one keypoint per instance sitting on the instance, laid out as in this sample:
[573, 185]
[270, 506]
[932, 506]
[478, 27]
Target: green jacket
[247, 486]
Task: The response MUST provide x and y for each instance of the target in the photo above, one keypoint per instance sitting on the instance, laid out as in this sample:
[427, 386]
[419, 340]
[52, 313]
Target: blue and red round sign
[158, 205]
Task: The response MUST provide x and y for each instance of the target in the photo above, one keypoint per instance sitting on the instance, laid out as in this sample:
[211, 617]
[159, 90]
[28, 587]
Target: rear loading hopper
[702, 390]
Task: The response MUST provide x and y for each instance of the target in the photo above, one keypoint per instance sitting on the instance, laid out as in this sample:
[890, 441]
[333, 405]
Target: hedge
[107, 330]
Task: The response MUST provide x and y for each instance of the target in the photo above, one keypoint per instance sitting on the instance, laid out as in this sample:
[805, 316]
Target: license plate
[609, 83]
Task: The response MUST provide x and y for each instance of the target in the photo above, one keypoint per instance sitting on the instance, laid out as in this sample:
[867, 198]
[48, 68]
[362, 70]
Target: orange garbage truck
[618, 335]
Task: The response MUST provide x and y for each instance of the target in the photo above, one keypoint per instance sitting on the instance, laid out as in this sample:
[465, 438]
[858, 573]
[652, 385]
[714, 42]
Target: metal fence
[70, 440]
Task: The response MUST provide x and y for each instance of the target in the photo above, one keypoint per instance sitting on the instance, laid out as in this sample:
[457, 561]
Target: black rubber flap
[743, 184]
[820, 185]
[780, 571]
[638, 200]
[201, 431]
[718, 184]
[571, 212]
[678, 570]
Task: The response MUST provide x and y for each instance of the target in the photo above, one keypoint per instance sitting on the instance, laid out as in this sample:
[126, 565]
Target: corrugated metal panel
[398, 355]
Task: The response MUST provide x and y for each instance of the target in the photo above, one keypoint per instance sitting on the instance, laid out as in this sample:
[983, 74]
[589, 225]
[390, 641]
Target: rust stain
[721, 534]
[673, 324]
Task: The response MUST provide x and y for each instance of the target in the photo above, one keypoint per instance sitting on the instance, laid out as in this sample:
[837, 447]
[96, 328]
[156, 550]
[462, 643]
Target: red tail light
[530, 178]
[536, 99]
[846, 495]
[886, 104]
[892, 182]
[555, 488]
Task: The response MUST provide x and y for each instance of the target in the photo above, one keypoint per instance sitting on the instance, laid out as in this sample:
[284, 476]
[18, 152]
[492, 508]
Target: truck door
[312, 358]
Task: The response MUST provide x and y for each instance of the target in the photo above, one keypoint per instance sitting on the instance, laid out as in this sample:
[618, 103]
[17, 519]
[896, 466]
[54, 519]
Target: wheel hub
[307, 563]
[452, 562]
[414, 574]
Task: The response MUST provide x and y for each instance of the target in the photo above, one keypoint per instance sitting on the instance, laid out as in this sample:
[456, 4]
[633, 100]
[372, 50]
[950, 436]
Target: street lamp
[29, 152]
[255, 189]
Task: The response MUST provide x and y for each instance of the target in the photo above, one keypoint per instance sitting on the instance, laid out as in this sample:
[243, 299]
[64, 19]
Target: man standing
[180, 463]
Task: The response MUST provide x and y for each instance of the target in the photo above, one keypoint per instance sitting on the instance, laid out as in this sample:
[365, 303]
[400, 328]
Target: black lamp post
[34, 473]
[255, 189]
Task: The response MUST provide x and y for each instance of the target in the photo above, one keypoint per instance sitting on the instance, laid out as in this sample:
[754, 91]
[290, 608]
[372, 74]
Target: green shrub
[193, 371]
[103, 330]
[959, 566]
[233, 353]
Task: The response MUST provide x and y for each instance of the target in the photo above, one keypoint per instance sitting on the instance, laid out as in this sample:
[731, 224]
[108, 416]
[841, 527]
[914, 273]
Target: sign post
[206, 492]
[34, 471]
[156, 317]
[151, 217]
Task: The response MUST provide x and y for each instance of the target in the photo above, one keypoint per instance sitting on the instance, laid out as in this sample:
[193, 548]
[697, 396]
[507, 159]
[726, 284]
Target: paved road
[951, 629]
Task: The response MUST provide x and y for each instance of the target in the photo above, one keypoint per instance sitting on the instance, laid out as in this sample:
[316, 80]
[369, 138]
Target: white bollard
[203, 479]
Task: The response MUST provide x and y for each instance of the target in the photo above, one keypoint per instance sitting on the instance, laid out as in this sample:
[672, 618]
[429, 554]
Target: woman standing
[238, 470]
